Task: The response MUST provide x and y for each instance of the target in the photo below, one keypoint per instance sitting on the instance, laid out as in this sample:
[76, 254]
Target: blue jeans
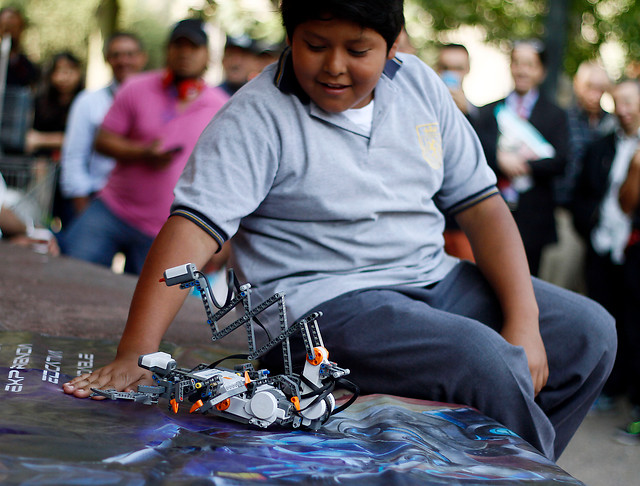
[98, 234]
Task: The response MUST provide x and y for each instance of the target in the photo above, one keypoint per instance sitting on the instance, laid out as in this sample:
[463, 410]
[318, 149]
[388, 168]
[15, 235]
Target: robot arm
[244, 394]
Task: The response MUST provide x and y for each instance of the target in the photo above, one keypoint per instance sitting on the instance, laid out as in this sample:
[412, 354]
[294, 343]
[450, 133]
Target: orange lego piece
[196, 406]
[223, 405]
[318, 356]
[296, 403]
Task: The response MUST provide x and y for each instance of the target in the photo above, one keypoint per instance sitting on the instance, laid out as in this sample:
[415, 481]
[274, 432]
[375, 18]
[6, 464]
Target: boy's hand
[529, 338]
[121, 375]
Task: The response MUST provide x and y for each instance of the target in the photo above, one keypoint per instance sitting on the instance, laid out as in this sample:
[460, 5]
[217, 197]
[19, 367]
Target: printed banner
[51, 438]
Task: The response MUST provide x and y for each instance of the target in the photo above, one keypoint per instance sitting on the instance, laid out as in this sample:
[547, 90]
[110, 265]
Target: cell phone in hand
[174, 150]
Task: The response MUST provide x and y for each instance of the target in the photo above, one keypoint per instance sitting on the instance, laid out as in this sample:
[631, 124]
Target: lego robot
[244, 394]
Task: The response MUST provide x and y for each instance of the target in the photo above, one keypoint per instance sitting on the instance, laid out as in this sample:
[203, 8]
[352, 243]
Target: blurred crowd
[570, 175]
[117, 152]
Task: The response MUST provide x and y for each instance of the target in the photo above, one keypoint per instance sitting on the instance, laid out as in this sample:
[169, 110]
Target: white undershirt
[611, 234]
[362, 117]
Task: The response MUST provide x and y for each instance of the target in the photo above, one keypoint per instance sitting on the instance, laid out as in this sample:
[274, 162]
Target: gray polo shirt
[316, 206]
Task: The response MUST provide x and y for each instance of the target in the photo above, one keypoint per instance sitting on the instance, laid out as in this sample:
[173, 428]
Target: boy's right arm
[153, 308]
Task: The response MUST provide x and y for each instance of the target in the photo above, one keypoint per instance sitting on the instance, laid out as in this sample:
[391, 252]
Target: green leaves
[591, 23]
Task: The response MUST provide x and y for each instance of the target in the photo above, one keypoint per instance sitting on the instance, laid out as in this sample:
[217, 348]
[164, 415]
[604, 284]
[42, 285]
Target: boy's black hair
[386, 17]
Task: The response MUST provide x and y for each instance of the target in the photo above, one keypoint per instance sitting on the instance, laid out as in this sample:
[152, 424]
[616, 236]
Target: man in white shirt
[603, 224]
[84, 171]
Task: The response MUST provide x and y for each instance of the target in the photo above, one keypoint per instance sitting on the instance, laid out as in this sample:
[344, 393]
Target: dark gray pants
[443, 344]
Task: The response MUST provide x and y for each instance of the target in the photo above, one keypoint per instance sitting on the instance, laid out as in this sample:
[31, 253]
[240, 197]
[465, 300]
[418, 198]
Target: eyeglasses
[122, 54]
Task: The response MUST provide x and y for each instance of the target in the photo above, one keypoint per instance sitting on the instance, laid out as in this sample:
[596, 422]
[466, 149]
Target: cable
[353, 388]
[198, 273]
[231, 356]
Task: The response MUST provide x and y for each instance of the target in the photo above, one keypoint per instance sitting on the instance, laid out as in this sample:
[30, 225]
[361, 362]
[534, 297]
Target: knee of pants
[602, 334]
[578, 333]
[593, 331]
[495, 371]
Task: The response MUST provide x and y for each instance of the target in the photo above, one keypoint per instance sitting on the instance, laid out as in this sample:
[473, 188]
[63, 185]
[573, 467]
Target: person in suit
[525, 175]
[564, 263]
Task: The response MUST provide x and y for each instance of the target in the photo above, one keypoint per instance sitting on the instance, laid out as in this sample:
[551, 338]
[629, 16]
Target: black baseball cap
[192, 29]
[242, 41]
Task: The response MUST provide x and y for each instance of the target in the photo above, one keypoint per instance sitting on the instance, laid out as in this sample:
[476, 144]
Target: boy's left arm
[500, 256]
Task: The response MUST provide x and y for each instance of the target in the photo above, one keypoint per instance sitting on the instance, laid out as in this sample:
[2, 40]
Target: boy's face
[338, 62]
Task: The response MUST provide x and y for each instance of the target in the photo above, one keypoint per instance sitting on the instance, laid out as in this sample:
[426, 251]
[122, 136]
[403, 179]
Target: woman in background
[62, 81]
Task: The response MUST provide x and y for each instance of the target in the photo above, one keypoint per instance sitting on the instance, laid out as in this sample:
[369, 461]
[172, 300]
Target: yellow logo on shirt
[430, 144]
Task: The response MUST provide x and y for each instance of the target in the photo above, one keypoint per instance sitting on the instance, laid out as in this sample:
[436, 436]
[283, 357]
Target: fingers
[119, 378]
[78, 388]
[537, 386]
[512, 165]
[81, 386]
[539, 378]
[53, 248]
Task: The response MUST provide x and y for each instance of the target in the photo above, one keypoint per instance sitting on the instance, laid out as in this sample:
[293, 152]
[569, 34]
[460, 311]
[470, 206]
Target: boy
[328, 168]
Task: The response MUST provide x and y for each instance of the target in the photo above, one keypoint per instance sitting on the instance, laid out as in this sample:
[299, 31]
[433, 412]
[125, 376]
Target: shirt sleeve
[468, 179]
[231, 169]
[121, 115]
[77, 148]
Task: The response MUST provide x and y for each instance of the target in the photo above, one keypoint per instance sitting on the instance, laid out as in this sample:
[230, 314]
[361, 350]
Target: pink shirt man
[146, 110]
